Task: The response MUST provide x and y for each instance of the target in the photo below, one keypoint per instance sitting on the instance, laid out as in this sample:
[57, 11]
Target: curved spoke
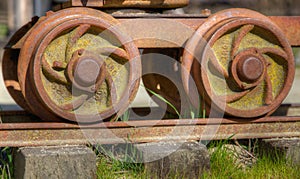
[59, 65]
[73, 38]
[234, 97]
[78, 32]
[269, 96]
[237, 40]
[102, 76]
[275, 51]
[112, 88]
[114, 52]
[70, 65]
[59, 78]
[216, 65]
[76, 103]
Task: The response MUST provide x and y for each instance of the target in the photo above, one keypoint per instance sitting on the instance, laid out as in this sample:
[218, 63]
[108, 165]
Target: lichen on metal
[80, 67]
[244, 64]
[61, 94]
[276, 69]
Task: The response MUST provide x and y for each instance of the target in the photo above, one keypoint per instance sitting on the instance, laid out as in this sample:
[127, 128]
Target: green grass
[121, 164]
[3, 31]
[112, 168]
[268, 165]
[164, 100]
[125, 116]
[191, 112]
[223, 165]
[6, 163]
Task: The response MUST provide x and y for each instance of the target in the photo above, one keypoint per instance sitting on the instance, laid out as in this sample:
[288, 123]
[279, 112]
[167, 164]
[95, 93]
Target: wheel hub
[86, 72]
[250, 69]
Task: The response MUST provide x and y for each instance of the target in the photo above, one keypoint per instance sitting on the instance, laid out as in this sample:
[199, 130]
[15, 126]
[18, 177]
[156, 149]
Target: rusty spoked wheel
[246, 65]
[79, 66]
[161, 72]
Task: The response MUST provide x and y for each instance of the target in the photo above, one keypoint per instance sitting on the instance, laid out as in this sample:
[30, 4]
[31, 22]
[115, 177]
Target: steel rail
[56, 136]
[36, 133]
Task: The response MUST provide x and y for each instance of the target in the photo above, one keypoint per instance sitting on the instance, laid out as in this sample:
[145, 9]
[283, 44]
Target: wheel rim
[245, 94]
[60, 70]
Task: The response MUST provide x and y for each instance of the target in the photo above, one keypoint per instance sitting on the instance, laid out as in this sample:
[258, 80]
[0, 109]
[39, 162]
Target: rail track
[27, 130]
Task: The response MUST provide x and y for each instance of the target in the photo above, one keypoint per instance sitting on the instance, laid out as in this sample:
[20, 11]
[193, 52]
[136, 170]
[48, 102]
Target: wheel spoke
[76, 103]
[59, 65]
[237, 40]
[102, 76]
[112, 89]
[234, 97]
[78, 32]
[275, 51]
[54, 75]
[114, 52]
[216, 65]
[74, 36]
[269, 95]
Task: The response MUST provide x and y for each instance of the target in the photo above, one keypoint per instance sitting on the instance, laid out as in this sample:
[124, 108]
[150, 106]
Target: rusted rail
[33, 133]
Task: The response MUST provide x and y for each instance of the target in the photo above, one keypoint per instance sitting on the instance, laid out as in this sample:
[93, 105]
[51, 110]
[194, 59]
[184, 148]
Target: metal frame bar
[187, 24]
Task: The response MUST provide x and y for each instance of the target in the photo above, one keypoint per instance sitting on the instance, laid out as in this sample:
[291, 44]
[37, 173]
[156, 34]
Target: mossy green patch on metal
[61, 49]
[255, 98]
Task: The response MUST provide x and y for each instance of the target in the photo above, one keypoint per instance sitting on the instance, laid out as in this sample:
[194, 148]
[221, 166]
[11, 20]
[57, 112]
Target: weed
[268, 165]
[125, 116]
[119, 161]
[164, 100]
[6, 163]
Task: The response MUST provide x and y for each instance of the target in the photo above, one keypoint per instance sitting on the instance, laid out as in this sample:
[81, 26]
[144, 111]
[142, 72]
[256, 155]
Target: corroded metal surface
[241, 62]
[290, 27]
[36, 134]
[191, 22]
[288, 24]
[63, 51]
[131, 3]
[20, 129]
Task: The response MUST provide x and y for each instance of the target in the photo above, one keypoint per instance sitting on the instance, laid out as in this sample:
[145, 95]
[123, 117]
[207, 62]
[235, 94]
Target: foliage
[268, 165]
[6, 163]
[165, 101]
[120, 164]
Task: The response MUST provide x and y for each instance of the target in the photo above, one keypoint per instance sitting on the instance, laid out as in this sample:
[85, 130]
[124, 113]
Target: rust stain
[56, 136]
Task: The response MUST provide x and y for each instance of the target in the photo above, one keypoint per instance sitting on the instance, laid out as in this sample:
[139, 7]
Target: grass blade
[164, 100]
